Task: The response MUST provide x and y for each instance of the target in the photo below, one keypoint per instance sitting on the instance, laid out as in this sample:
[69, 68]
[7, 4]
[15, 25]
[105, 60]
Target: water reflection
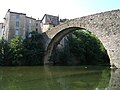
[59, 78]
[89, 79]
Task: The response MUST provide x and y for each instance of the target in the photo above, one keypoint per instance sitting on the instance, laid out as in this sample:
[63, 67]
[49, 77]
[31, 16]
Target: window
[36, 29]
[17, 32]
[36, 24]
[30, 20]
[29, 27]
[17, 16]
[17, 24]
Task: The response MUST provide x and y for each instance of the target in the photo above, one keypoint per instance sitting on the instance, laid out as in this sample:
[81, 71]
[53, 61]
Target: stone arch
[106, 26]
[57, 38]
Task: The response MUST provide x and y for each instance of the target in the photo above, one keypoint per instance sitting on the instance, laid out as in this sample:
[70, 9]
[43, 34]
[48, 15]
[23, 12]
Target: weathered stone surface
[105, 25]
[115, 80]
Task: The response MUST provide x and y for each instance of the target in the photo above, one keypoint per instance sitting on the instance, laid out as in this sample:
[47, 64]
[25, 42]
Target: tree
[33, 49]
[17, 50]
[82, 48]
[5, 53]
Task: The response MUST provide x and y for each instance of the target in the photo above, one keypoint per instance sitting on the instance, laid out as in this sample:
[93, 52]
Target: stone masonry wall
[105, 25]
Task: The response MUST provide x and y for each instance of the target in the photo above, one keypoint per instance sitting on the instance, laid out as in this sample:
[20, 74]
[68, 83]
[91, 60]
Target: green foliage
[28, 51]
[82, 48]
[33, 49]
[5, 53]
[17, 49]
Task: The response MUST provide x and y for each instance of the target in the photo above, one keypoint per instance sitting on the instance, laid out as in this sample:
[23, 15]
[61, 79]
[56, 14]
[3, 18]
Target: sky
[69, 9]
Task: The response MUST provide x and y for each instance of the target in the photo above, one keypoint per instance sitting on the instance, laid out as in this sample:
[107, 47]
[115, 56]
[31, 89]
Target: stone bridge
[105, 25]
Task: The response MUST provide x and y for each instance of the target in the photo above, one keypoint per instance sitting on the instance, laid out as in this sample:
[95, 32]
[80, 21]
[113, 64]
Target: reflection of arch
[104, 25]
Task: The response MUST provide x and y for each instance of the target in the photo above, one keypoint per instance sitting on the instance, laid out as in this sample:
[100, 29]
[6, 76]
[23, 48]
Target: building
[49, 21]
[18, 24]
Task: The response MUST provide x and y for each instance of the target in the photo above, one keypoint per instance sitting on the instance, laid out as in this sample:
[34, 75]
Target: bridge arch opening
[56, 40]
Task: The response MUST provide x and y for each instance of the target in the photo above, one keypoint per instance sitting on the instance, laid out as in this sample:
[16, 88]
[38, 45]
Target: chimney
[8, 10]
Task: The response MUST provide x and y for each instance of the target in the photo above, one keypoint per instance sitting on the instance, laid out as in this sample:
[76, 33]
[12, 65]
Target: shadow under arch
[55, 41]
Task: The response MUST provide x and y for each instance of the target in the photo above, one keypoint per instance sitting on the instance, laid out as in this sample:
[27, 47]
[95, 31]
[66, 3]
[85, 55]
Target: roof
[48, 15]
[18, 13]
[15, 12]
[30, 18]
[38, 20]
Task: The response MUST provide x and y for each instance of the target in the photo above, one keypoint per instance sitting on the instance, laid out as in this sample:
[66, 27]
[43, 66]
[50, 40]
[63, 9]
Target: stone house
[49, 21]
[18, 24]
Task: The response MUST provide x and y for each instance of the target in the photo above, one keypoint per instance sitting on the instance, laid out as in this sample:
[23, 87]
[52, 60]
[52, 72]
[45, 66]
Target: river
[59, 78]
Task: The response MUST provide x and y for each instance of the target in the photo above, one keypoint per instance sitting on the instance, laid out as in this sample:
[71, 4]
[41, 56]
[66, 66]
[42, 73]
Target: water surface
[56, 78]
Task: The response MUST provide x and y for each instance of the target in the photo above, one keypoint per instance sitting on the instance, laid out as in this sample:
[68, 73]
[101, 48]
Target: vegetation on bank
[81, 48]
[18, 52]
